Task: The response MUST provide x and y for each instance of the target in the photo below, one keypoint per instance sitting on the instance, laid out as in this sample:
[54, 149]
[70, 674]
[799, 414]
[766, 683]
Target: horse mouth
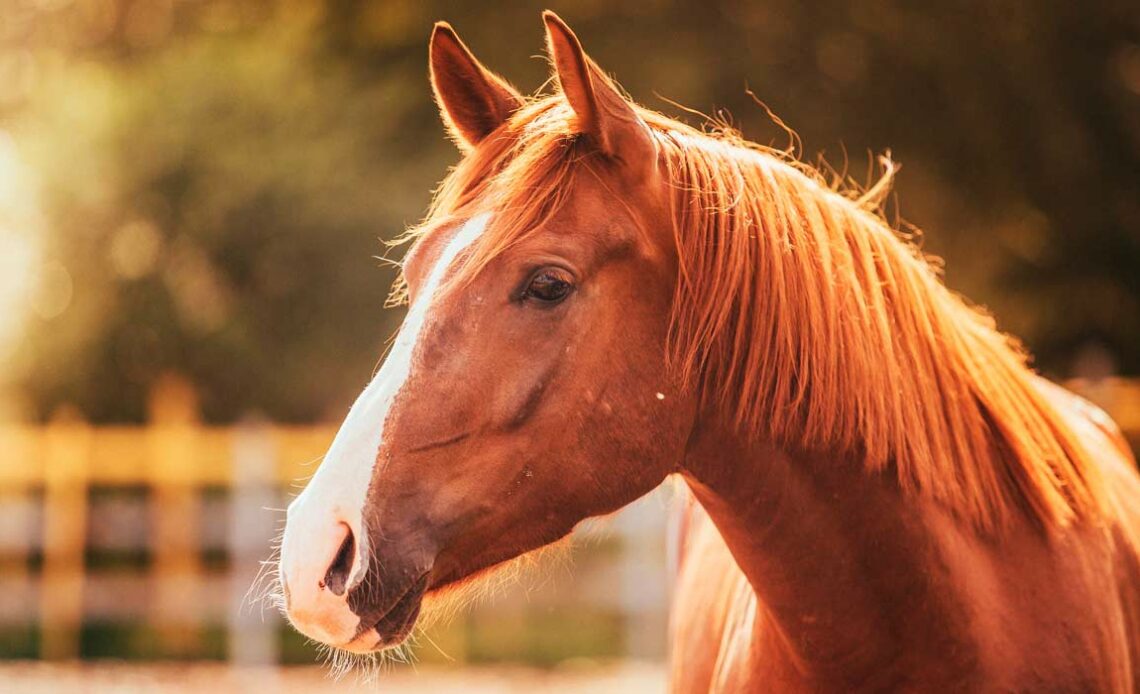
[392, 627]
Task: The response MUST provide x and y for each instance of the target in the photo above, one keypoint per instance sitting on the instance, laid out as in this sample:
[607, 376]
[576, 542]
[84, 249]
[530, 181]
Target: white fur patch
[338, 490]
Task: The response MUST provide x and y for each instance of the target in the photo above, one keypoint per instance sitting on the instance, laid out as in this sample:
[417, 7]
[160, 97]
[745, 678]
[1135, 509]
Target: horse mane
[803, 314]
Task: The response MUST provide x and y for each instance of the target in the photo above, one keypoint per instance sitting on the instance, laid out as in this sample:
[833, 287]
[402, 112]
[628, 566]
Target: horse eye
[549, 287]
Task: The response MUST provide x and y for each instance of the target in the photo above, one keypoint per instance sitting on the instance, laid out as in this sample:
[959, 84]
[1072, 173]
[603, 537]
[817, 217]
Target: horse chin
[394, 626]
[450, 595]
[365, 643]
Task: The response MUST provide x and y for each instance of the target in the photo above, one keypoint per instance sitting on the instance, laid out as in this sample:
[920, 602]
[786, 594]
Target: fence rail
[70, 451]
[51, 476]
[174, 457]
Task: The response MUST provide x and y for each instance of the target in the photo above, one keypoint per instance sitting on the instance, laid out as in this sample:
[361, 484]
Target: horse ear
[603, 113]
[473, 101]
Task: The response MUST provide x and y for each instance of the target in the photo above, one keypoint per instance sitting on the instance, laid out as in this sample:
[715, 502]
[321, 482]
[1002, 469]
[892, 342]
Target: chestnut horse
[601, 297]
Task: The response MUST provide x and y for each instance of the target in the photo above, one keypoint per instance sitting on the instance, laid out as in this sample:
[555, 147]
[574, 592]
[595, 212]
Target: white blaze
[337, 492]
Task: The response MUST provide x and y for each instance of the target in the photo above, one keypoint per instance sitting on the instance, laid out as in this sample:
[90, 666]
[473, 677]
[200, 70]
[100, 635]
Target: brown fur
[889, 499]
[881, 359]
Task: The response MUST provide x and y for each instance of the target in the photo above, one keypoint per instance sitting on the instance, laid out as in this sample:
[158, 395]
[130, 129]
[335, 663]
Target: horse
[882, 494]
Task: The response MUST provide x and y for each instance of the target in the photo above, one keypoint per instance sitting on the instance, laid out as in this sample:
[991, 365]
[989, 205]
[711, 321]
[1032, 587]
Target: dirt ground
[43, 678]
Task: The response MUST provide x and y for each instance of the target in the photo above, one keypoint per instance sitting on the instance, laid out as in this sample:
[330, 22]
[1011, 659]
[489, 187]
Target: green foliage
[214, 177]
[218, 209]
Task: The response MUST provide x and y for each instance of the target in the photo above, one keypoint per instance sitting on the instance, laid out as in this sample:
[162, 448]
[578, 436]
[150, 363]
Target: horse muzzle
[337, 593]
[321, 560]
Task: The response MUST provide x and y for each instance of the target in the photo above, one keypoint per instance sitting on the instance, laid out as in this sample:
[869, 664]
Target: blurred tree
[214, 175]
[216, 204]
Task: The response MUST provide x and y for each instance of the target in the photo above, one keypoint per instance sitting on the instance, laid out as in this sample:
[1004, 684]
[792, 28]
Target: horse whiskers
[442, 606]
[265, 589]
[439, 608]
[423, 632]
[367, 667]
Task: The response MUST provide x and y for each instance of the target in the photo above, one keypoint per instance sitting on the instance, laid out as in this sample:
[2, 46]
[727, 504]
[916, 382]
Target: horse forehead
[610, 216]
[426, 252]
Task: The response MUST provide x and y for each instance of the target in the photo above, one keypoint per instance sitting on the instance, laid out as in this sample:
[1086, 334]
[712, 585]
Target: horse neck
[838, 557]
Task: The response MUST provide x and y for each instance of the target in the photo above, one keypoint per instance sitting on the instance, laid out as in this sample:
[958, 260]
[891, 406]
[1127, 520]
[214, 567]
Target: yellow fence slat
[120, 457]
[66, 456]
[21, 457]
[175, 463]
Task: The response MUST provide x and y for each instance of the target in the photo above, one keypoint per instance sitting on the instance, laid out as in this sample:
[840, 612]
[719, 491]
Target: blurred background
[193, 194]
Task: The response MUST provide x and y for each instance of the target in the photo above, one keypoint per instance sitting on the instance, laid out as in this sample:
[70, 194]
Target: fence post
[67, 450]
[643, 585]
[175, 514]
[252, 625]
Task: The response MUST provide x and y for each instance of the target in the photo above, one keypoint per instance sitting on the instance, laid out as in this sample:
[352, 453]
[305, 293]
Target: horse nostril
[337, 576]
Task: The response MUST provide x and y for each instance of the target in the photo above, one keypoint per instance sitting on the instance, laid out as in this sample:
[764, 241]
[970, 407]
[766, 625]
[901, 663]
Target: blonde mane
[802, 313]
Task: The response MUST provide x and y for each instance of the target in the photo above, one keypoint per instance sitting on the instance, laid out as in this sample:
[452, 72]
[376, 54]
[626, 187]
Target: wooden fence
[51, 471]
[175, 457]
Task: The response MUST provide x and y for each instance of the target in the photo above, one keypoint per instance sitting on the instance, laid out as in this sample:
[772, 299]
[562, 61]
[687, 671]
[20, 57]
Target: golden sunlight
[19, 249]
